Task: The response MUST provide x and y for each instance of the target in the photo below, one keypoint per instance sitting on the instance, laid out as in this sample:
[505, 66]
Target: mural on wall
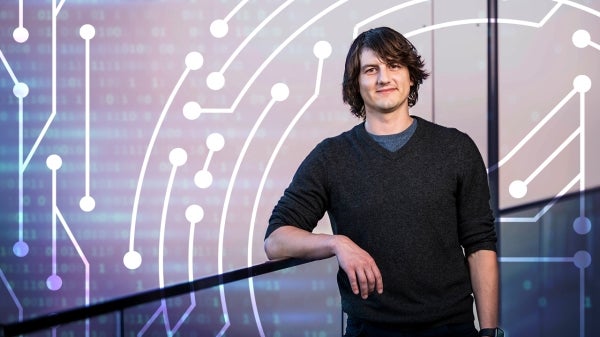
[144, 143]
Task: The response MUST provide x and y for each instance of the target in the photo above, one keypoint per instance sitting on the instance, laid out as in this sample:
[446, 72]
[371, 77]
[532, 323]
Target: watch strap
[495, 332]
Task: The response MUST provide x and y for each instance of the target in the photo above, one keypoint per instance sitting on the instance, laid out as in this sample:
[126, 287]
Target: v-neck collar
[393, 155]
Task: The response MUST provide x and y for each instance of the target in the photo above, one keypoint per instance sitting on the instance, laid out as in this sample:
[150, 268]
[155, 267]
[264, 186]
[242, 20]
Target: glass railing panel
[291, 302]
[547, 271]
[108, 325]
[299, 300]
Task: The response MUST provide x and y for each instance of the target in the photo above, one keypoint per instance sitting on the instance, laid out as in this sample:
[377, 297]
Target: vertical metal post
[493, 134]
[492, 78]
[121, 322]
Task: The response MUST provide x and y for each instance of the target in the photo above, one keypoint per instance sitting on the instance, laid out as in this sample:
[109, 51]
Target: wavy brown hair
[393, 48]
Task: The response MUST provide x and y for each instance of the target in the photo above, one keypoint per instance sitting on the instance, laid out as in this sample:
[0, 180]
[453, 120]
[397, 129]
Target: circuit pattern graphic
[134, 164]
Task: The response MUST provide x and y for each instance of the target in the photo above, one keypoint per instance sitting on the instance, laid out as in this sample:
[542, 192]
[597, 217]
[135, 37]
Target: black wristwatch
[496, 332]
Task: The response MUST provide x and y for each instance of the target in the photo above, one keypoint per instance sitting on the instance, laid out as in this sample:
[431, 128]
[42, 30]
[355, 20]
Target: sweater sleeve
[305, 200]
[475, 219]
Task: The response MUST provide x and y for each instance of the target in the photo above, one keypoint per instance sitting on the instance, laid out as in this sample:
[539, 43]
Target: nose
[383, 75]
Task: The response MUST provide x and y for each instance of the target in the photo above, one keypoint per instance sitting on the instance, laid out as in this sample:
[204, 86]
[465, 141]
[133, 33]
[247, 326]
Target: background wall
[144, 143]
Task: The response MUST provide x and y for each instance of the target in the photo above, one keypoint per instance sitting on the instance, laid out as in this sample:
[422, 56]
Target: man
[408, 202]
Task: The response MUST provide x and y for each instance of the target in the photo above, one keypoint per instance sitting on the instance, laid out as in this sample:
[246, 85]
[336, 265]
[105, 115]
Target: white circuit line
[54, 216]
[8, 68]
[12, 294]
[384, 13]
[582, 153]
[235, 10]
[547, 207]
[21, 170]
[533, 131]
[20, 13]
[85, 261]
[553, 155]
[149, 149]
[209, 156]
[87, 117]
[232, 180]
[164, 307]
[42, 134]
[163, 225]
[536, 259]
[579, 6]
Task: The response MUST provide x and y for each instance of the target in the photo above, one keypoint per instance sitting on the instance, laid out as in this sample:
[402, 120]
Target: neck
[387, 124]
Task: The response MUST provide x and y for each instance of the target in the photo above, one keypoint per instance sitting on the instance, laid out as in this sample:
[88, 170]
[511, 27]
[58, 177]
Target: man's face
[384, 88]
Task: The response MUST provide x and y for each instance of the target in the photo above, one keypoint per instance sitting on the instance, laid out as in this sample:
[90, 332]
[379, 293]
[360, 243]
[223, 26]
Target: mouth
[386, 90]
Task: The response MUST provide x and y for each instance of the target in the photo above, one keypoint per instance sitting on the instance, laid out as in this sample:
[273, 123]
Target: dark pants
[363, 329]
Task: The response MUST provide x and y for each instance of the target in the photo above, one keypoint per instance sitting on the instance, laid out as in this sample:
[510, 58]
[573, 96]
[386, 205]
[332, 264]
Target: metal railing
[119, 304]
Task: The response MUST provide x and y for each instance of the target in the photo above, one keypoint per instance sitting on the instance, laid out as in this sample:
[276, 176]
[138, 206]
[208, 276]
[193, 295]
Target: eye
[370, 70]
[395, 66]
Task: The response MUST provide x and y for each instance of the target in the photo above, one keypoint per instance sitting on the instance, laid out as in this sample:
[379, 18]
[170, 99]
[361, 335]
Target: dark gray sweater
[413, 210]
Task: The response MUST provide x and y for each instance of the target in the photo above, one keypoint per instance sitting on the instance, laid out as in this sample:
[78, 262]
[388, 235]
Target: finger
[378, 280]
[353, 282]
[363, 283]
[371, 280]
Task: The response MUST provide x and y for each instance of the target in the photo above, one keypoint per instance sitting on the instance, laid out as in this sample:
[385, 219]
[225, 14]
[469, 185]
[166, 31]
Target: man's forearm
[483, 266]
[362, 271]
[289, 241]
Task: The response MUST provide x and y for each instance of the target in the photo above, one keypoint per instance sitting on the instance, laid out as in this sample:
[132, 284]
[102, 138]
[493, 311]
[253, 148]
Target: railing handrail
[80, 313]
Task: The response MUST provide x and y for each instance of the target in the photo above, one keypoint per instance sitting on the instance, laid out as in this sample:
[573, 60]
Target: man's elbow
[271, 249]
